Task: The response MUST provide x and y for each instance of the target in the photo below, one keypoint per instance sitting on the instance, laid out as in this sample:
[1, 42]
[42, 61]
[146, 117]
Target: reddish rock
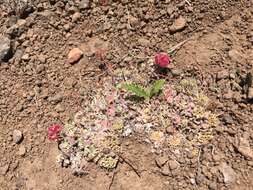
[74, 55]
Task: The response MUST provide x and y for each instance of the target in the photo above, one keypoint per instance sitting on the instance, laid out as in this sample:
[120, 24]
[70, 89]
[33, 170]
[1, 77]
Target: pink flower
[168, 93]
[53, 132]
[162, 60]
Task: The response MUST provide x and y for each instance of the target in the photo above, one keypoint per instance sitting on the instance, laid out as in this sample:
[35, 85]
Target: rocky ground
[44, 81]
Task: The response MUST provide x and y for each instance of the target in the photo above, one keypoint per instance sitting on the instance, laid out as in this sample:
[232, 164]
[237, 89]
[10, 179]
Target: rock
[4, 169]
[25, 57]
[144, 42]
[250, 93]
[222, 75]
[67, 27]
[17, 136]
[212, 186]
[59, 108]
[244, 148]
[5, 48]
[76, 16]
[21, 151]
[40, 68]
[161, 160]
[228, 95]
[56, 99]
[134, 22]
[74, 55]
[178, 25]
[170, 9]
[165, 170]
[84, 4]
[176, 72]
[228, 173]
[228, 119]
[173, 164]
[235, 55]
[42, 59]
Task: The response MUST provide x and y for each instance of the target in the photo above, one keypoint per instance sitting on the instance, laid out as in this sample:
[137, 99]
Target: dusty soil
[39, 87]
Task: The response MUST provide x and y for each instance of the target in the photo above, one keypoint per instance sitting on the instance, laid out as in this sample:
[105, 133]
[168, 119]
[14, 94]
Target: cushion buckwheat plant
[95, 133]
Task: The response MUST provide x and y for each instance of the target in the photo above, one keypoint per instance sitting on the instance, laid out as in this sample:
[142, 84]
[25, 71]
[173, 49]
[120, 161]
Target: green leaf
[136, 89]
[156, 87]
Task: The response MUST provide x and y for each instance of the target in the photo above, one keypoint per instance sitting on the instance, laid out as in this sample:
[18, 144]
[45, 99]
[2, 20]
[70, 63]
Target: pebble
[165, 170]
[74, 55]
[222, 75]
[244, 148]
[56, 99]
[228, 95]
[25, 57]
[17, 136]
[4, 169]
[173, 164]
[42, 59]
[161, 160]
[59, 108]
[21, 151]
[84, 4]
[176, 72]
[228, 173]
[228, 119]
[144, 42]
[76, 16]
[250, 93]
[178, 25]
[235, 55]
[5, 47]
[40, 68]
[66, 27]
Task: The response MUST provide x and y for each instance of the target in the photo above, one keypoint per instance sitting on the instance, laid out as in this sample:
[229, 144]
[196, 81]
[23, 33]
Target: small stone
[212, 186]
[178, 25]
[56, 99]
[59, 108]
[176, 72]
[222, 75]
[21, 151]
[76, 16]
[250, 93]
[42, 58]
[235, 55]
[134, 22]
[244, 148]
[161, 160]
[165, 170]
[170, 10]
[228, 95]
[4, 169]
[17, 136]
[66, 27]
[144, 42]
[173, 164]
[84, 4]
[74, 55]
[25, 57]
[40, 68]
[5, 48]
[228, 119]
[228, 173]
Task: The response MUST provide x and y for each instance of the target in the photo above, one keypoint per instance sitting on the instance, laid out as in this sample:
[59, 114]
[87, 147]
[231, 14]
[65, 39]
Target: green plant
[142, 92]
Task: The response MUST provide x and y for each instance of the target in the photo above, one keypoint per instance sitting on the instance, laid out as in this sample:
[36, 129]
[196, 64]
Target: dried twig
[113, 176]
[131, 166]
[174, 48]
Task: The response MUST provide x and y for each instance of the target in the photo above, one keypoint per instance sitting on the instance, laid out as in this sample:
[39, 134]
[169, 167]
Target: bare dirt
[38, 87]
